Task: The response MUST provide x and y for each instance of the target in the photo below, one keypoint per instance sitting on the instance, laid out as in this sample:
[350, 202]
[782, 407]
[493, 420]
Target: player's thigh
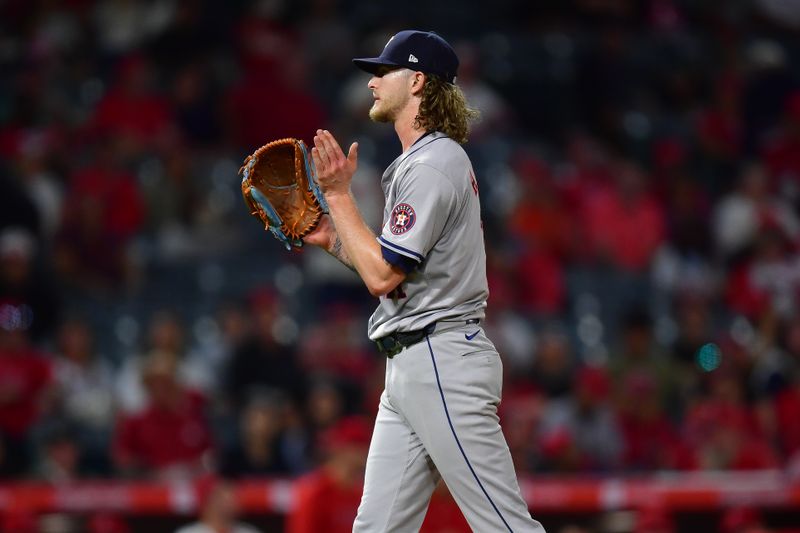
[460, 429]
[399, 479]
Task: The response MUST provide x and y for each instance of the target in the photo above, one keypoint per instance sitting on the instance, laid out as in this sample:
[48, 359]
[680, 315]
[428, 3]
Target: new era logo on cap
[424, 51]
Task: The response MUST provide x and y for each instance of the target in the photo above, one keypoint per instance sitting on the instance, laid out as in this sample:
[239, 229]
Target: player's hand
[323, 235]
[334, 170]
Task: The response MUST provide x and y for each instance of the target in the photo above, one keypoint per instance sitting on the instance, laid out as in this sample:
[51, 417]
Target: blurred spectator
[218, 509]
[695, 330]
[134, 111]
[682, 265]
[327, 499]
[329, 46]
[768, 281]
[176, 200]
[260, 360]
[44, 188]
[335, 345]
[585, 172]
[325, 404]
[195, 101]
[335, 355]
[210, 357]
[651, 441]
[539, 218]
[166, 334]
[723, 430]
[60, 455]
[587, 419]
[253, 123]
[84, 389]
[121, 26]
[720, 130]
[520, 413]
[25, 391]
[276, 71]
[495, 115]
[27, 294]
[443, 514]
[781, 153]
[170, 437]
[750, 208]
[261, 447]
[554, 364]
[513, 334]
[103, 211]
[624, 226]
[83, 376]
[640, 357]
[543, 230]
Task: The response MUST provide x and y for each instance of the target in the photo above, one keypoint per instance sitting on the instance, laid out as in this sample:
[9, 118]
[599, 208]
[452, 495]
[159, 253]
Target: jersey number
[474, 182]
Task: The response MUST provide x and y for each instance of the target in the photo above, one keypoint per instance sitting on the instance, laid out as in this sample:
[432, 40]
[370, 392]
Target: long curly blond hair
[444, 108]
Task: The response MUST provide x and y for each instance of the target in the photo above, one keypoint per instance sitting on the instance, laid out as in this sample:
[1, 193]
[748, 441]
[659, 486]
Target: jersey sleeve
[423, 203]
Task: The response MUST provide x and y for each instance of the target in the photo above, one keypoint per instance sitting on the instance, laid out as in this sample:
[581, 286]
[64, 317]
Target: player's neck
[404, 126]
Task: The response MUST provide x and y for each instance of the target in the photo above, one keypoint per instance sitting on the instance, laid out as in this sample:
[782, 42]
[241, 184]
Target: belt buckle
[389, 346]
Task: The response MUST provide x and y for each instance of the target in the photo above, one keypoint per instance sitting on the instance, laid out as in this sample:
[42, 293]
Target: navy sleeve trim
[406, 264]
[400, 250]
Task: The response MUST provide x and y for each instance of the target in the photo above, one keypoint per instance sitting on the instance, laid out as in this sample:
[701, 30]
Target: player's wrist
[338, 198]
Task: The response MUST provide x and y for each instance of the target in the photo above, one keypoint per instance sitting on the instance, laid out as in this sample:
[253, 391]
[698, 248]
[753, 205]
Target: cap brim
[372, 64]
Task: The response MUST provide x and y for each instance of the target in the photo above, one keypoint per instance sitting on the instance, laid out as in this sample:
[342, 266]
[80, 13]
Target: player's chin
[376, 114]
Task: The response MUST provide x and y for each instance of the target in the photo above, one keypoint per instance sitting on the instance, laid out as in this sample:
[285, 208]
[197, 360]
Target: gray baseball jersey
[432, 219]
[437, 418]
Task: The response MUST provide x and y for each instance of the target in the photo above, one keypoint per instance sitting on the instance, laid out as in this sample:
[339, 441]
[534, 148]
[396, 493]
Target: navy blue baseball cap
[424, 51]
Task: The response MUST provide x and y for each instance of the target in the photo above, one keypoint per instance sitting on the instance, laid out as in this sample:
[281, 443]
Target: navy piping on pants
[453, 430]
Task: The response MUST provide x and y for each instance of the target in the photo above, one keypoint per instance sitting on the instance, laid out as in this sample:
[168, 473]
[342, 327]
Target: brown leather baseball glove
[280, 188]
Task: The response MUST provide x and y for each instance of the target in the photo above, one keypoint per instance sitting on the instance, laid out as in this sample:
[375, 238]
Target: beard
[386, 109]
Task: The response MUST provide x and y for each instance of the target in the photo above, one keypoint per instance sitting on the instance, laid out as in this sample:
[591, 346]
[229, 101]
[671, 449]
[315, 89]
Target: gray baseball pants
[438, 418]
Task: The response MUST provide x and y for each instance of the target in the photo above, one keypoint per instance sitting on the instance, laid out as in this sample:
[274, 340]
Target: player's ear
[417, 82]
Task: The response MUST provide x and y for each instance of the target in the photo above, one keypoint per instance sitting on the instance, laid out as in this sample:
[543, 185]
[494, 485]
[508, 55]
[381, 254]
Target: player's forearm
[360, 245]
[336, 249]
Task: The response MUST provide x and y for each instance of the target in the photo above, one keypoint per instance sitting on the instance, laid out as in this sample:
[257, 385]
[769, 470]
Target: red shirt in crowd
[141, 116]
[322, 504]
[728, 432]
[24, 377]
[444, 516]
[787, 412]
[782, 159]
[159, 437]
[116, 191]
[653, 444]
[540, 282]
[627, 233]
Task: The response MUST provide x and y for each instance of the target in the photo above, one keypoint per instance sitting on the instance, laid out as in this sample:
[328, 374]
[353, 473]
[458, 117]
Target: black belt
[393, 344]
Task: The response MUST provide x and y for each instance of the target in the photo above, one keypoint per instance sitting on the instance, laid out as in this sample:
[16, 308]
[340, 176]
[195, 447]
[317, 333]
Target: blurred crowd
[639, 170]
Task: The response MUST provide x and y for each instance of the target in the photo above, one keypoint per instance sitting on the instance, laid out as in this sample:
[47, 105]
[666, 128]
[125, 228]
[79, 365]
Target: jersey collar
[424, 140]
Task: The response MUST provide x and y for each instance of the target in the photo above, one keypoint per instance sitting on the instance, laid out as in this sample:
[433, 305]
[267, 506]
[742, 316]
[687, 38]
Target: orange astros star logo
[402, 219]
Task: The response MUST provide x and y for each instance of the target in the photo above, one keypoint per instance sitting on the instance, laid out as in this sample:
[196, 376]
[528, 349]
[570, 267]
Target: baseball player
[438, 413]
